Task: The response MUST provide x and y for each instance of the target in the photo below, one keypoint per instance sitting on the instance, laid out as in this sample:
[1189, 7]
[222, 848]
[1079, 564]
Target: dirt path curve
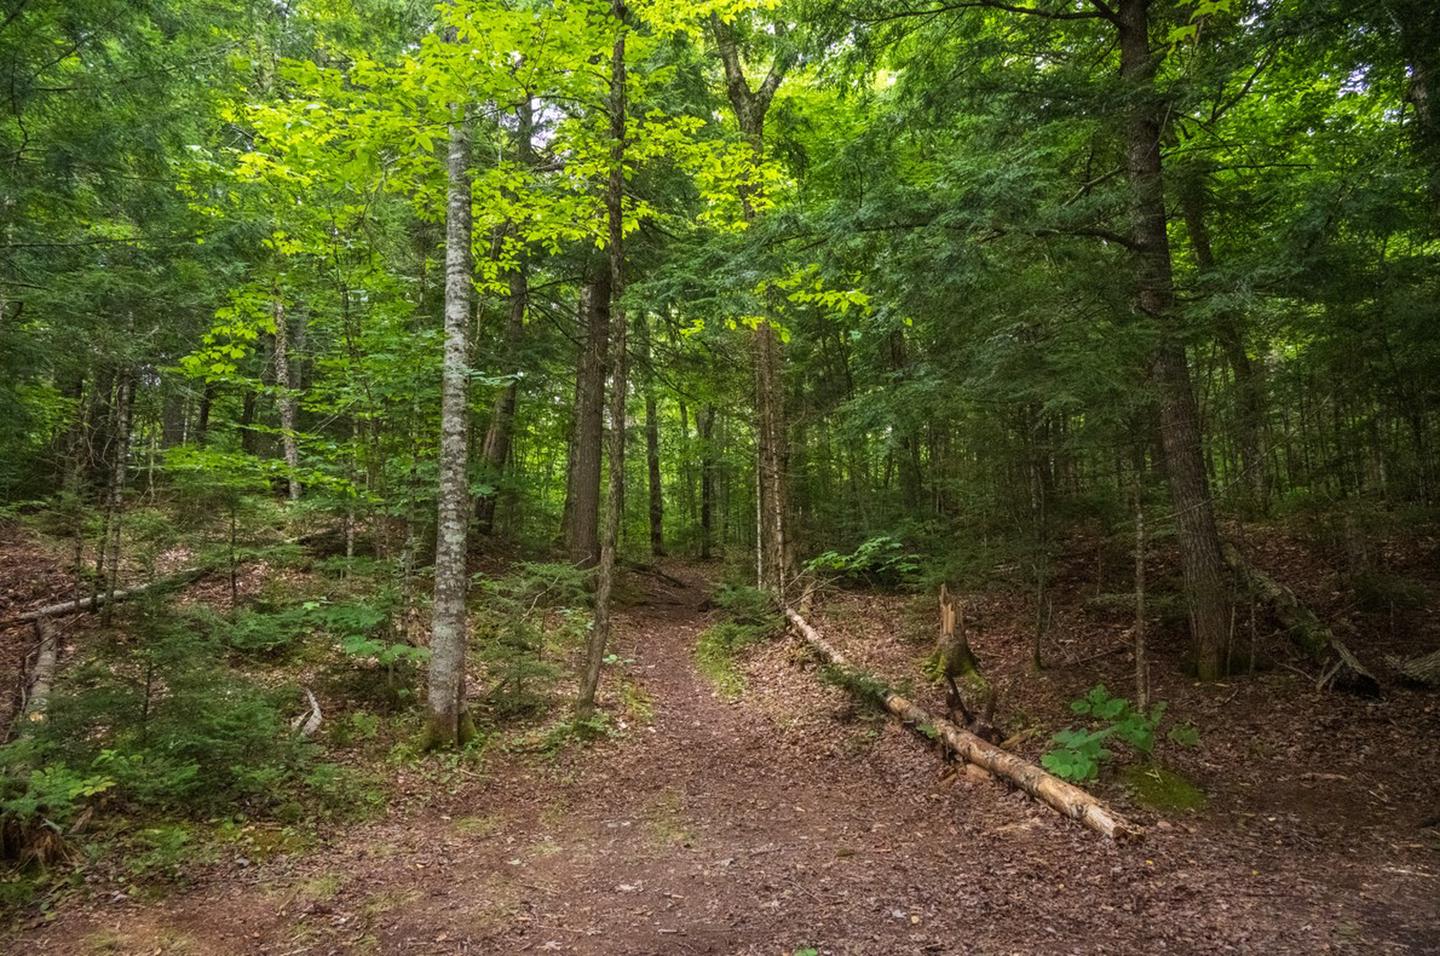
[758, 826]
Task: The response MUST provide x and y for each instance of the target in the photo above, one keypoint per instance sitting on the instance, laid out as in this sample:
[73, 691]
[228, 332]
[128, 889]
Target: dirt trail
[728, 828]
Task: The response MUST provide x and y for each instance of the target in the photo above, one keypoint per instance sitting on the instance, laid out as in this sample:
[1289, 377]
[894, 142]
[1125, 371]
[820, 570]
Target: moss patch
[715, 659]
[1162, 790]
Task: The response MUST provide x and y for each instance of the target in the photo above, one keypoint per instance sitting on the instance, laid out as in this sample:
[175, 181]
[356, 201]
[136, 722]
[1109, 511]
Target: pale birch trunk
[115, 500]
[449, 718]
[284, 388]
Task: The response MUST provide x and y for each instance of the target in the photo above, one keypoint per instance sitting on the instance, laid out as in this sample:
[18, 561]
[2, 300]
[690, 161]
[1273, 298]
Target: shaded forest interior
[398, 399]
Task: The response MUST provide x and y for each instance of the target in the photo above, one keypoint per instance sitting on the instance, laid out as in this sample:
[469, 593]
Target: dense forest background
[407, 328]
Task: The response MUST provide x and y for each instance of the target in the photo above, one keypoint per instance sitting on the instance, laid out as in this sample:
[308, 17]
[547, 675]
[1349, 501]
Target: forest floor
[784, 818]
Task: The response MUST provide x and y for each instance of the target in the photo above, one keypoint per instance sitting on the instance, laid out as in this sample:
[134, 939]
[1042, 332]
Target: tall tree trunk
[449, 718]
[614, 207]
[1249, 374]
[1418, 23]
[908, 454]
[115, 499]
[1204, 567]
[652, 445]
[285, 388]
[687, 469]
[582, 530]
[750, 107]
[496, 449]
[706, 425]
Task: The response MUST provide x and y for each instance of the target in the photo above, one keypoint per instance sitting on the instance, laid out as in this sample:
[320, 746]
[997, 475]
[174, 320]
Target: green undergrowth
[749, 616]
[169, 740]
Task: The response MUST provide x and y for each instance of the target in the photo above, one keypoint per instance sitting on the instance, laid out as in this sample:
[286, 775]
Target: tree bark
[614, 207]
[582, 529]
[449, 718]
[1199, 539]
[706, 425]
[1424, 669]
[652, 449]
[285, 389]
[115, 497]
[496, 449]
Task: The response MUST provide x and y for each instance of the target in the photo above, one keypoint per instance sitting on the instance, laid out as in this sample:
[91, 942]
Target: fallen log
[1424, 669]
[47, 654]
[98, 600]
[1066, 799]
[1305, 628]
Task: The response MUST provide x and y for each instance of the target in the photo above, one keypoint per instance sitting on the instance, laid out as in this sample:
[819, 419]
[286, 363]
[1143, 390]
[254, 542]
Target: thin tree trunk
[1249, 374]
[1142, 664]
[652, 448]
[284, 387]
[1199, 539]
[614, 205]
[115, 501]
[707, 480]
[750, 107]
[449, 718]
[496, 450]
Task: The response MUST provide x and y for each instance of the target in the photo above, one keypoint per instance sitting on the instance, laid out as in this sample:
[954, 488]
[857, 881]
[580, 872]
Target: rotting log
[1305, 628]
[104, 597]
[1064, 798]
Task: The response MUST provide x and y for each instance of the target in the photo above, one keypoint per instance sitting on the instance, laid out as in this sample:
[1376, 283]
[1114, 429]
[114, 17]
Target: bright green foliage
[163, 727]
[882, 560]
[1079, 753]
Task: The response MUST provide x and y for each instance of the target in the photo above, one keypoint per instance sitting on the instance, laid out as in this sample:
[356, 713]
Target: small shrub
[536, 608]
[1381, 592]
[264, 632]
[1079, 753]
[879, 561]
